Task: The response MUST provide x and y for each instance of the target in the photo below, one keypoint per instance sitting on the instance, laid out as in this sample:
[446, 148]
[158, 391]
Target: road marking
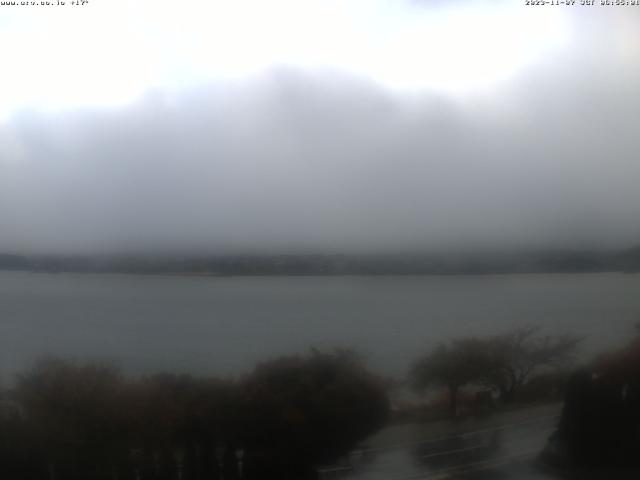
[463, 434]
[491, 462]
[484, 444]
[483, 465]
[459, 435]
[445, 473]
[458, 450]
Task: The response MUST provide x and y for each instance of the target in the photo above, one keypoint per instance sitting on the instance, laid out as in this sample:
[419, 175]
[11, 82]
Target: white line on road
[444, 473]
[458, 435]
[483, 465]
[481, 445]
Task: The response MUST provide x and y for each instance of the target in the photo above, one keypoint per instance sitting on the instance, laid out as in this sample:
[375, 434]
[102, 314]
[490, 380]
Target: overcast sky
[325, 126]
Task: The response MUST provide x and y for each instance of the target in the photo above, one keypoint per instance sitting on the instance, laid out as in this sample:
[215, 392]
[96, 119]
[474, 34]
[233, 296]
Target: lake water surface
[223, 325]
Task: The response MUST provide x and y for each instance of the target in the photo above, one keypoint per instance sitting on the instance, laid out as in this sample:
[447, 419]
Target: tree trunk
[453, 401]
[507, 395]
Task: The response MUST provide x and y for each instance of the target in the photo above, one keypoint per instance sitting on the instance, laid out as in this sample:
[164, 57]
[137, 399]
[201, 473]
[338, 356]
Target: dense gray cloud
[319, 160]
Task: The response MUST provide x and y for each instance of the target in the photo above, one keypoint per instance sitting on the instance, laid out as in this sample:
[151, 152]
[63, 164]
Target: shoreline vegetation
[542, 261]
[65, 419]
[68, 420]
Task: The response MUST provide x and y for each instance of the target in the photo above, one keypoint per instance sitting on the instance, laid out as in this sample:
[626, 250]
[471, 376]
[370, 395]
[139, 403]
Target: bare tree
[453, 366]
[503, 362]
[516, 355]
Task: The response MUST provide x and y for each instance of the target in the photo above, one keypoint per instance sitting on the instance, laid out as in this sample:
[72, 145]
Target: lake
[223, 325]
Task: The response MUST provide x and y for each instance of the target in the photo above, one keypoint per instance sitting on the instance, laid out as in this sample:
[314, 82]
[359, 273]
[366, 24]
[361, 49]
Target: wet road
[499, 447]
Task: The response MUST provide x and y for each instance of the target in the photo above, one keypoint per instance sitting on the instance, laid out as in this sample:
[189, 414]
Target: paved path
[501, 446]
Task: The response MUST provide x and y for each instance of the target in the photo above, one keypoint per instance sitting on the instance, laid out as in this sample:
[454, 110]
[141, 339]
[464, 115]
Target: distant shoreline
[312, 275]
[550, 261]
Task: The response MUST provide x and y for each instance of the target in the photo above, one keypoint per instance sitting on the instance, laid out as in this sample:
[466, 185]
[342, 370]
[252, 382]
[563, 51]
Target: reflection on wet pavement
[502, 451]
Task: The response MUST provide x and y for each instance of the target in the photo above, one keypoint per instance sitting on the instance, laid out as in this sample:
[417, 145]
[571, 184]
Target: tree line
[501, 363]
[79, 421]
[65, 420]
[333, 264]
